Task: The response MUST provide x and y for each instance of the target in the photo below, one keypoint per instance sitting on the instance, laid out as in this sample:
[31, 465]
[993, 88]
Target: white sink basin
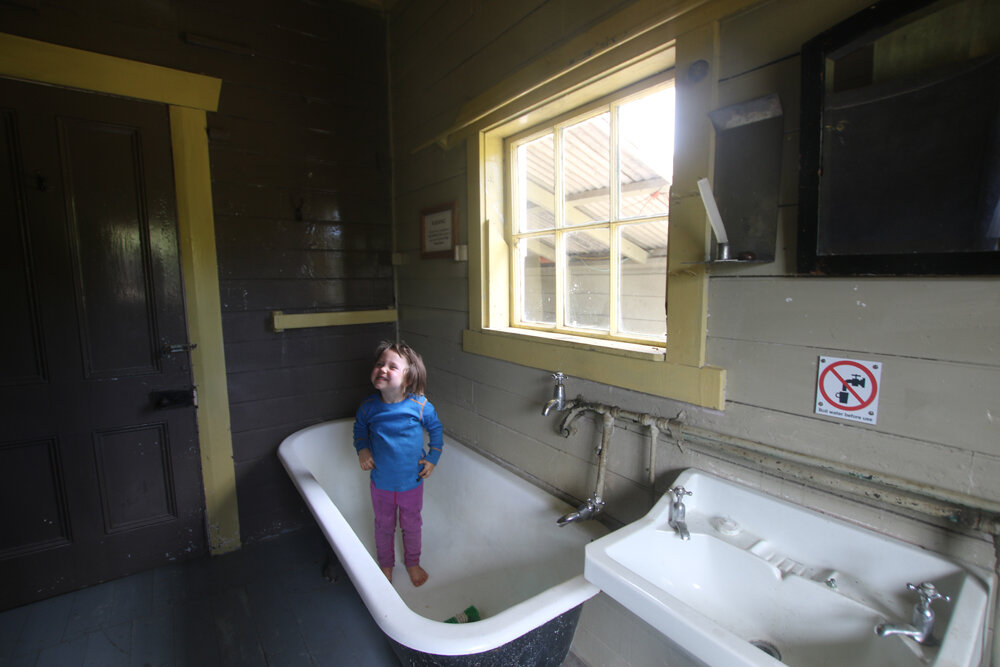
[759, 574]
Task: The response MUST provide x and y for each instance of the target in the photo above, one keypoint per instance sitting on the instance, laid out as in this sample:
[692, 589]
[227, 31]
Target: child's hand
[365, 459]
[427, 469]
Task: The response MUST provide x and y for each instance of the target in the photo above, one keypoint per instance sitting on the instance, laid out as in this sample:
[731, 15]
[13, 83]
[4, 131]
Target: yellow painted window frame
[604, 104]
[679, 371]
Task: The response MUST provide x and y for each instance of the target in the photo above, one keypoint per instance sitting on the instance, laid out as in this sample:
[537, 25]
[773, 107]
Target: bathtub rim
[394, 617]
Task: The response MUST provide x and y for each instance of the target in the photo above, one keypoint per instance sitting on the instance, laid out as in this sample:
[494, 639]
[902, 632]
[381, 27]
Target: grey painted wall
[937, 338]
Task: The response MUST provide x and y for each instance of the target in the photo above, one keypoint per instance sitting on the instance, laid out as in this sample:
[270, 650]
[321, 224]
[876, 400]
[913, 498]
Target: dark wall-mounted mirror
[900, 142]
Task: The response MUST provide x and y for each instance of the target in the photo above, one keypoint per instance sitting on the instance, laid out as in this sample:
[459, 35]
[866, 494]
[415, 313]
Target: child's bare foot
[417, 575]
[387, 571]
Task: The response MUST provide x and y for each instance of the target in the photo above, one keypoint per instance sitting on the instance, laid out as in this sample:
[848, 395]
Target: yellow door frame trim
[188, 96]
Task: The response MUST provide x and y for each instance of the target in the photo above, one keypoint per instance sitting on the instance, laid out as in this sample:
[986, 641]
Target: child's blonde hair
[415, 379]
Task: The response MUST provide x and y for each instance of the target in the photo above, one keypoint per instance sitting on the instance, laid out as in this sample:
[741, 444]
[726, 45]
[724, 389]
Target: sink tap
[678, 513]
[558, 395]
[590, 508]
[922, 623]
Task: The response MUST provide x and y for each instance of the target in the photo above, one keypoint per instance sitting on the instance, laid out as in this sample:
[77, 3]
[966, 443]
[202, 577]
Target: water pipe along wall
[962, 510]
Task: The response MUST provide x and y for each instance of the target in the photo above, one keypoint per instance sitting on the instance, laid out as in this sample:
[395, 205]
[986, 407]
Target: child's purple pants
[409, 503]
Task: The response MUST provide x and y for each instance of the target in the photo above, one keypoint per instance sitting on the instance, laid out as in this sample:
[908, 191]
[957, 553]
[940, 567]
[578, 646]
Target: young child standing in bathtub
[389, 437]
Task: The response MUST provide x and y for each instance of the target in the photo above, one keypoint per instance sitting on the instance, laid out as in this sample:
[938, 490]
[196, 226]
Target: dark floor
[266, 604]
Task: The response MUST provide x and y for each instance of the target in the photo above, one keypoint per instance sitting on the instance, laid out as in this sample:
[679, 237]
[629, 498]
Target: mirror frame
[871, 22]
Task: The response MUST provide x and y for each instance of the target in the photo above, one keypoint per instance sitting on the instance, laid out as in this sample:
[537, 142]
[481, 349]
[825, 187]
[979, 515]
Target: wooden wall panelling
[298, 295]
[255, 102]
[311, 375]
[429, 169]
[304, 264]
[355, 175]
[135, 37]
[314, 235]
[242, 199]
[845, 313]
[321, 376]
[239, 133]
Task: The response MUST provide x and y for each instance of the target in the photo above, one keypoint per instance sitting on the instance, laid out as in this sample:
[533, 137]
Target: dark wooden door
[100, 473]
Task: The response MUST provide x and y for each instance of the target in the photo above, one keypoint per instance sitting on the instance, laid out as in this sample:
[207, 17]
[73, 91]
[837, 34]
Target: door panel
[133, 467]
[96, 480]
[30, 477]
[20, 353]
[109, 246]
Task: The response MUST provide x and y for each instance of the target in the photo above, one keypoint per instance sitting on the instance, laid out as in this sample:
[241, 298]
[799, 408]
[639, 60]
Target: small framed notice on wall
[439, 230]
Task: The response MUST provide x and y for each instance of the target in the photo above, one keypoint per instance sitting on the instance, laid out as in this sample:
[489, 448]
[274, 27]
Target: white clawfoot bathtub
[490, 540]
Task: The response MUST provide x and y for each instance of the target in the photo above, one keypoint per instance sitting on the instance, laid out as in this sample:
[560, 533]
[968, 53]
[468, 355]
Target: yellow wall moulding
[189, 97]
[32, 60]
[284, 320]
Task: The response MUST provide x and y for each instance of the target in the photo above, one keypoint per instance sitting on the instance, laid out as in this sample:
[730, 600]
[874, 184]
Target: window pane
[536, 184]
[587, 170]
[588, 279]
[646, 146]
[538, 279]
[642, 283]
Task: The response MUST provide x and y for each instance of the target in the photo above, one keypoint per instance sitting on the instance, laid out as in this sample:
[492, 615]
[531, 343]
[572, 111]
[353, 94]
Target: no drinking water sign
[848, 389]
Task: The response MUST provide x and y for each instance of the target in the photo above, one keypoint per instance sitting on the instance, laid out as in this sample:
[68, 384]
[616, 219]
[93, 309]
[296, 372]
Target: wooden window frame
[678, 371]
[614, 226]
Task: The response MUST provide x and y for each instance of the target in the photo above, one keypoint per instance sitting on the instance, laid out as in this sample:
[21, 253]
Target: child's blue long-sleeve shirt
[394, 433]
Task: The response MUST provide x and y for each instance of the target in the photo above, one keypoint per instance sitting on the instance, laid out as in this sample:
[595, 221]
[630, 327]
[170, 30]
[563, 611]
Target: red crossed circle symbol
[832, 369]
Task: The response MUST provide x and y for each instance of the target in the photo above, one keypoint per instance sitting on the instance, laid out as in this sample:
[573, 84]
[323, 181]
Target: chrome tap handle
[559, 390]
[928, 594]
[678, 512]
[921, 627]
[558, 395]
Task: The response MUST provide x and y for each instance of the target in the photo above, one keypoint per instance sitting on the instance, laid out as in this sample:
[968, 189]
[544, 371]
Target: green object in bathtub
[470, 615]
